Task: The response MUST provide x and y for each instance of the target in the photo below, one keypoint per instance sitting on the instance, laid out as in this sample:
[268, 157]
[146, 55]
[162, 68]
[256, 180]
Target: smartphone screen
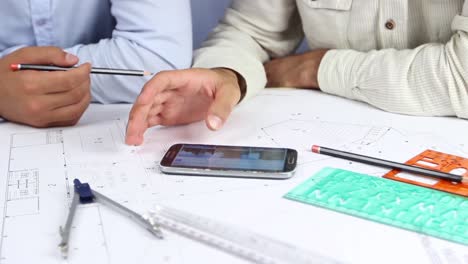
[230, 158]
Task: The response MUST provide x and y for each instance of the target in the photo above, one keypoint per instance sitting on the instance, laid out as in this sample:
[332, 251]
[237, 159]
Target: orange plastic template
[435, 160]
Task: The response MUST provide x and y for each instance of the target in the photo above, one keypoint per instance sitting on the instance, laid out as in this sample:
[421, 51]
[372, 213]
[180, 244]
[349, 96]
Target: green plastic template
[407, 206]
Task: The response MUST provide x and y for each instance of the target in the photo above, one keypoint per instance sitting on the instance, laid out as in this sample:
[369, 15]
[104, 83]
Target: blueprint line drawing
[36, 186]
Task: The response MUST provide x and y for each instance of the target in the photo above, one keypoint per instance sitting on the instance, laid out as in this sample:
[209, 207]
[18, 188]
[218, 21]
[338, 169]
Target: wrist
[236, 78]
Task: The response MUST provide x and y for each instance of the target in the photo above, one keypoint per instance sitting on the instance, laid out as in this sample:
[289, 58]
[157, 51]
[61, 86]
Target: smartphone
[229, 161]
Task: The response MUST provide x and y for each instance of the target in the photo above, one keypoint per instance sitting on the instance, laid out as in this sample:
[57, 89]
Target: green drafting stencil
[407, 206]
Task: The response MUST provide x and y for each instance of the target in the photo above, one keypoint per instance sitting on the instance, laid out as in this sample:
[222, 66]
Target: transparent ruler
[239, 242]
[236, 241]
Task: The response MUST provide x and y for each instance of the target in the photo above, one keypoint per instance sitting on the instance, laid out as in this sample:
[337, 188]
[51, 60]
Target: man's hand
[181, 97]
[298, 71]
[43, 99]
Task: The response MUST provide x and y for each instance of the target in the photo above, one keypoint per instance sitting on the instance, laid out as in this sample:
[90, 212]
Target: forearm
[246, 38]
[218, 53]
[121, 54]
[428, 80]
[155, 38]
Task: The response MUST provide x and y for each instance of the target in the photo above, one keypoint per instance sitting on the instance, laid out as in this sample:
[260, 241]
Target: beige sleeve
[430, 80]
[252, 32]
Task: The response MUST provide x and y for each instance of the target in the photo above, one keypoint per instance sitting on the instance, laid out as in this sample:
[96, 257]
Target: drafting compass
[83, 194]
[235, 241]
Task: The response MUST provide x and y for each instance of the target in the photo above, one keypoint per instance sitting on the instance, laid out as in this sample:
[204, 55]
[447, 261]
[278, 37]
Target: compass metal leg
[65, 230]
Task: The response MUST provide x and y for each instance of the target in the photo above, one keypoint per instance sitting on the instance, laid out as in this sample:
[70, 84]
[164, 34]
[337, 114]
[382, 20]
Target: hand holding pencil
[44, 99]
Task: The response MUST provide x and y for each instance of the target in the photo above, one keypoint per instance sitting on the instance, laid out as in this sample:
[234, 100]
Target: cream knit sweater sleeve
[251, 32]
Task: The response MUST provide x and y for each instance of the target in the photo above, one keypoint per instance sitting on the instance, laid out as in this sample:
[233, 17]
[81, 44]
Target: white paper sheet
[38, 166]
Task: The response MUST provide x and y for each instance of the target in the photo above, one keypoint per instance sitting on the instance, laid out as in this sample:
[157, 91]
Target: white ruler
[236, 241]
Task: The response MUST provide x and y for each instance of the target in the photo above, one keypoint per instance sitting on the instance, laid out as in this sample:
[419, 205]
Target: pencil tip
[146, 73]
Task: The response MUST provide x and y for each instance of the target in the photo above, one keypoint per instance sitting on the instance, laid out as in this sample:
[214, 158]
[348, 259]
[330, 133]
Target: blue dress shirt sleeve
[5, 52]
[152, 35]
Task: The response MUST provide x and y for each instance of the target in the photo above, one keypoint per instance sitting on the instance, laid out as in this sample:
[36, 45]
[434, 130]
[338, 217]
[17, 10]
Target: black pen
[389, 164]
[19, 67]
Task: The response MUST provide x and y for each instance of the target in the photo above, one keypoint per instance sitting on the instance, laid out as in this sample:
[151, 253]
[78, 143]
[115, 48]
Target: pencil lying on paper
[389, 164]
[19, 67]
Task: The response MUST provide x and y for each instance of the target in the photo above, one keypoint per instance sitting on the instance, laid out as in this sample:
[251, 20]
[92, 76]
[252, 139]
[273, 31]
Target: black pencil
[389, 164]
[18, 67]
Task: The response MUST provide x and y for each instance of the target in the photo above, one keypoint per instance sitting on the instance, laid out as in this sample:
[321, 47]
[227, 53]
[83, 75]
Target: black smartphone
[230, 161]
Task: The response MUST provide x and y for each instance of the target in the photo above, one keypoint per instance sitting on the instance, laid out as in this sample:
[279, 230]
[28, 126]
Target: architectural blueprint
[38, 166]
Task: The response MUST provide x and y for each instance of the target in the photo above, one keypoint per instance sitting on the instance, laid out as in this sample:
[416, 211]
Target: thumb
[47, 55]
[225, 99]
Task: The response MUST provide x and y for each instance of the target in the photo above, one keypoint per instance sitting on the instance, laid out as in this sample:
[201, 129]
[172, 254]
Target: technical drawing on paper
[43, 164]
[40, 167]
